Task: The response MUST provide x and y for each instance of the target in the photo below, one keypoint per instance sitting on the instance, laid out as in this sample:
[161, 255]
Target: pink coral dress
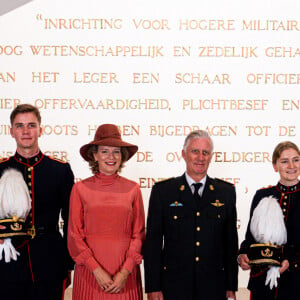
[107, 229]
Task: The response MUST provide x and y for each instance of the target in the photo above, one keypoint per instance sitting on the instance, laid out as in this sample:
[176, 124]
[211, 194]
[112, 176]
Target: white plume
[14, 195]
[267, 223]
[267, 226]
[14, 201]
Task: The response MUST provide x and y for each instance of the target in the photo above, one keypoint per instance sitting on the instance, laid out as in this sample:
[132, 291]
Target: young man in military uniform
[44, 265]
[191, 238]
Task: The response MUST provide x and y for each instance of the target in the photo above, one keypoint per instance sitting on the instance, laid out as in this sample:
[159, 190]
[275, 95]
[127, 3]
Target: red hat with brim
[108, 135]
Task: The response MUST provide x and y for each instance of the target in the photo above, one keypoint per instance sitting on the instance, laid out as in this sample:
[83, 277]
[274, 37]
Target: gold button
[296, 266]
[198, 213]
[165, 268]
[285, 197]
[197, 258]
[284, 210]
[175, 217]
[29, 183]
[219, 216]
[284, 203]
[29, 175]
[198, 228]
[197, 244]
[30, 192]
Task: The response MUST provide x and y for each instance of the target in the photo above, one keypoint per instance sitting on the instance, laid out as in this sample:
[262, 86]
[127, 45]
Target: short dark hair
[94, 164]
[25, 108]
[281, 147]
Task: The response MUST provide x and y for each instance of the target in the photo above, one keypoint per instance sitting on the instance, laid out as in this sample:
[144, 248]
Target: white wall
[243, 56]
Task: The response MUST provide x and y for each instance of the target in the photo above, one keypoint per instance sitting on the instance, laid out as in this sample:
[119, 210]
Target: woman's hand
[103, 278]
[244, 261]
[119, 282]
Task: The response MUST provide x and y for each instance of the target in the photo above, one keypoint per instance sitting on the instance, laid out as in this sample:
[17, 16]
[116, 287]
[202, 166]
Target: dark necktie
[196, 192]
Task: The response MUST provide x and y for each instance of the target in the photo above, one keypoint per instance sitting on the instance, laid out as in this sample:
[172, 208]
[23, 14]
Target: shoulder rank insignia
[3, 159]
[61, 160]
[217, 203]
[182, 187]
[211, 187]
[266, 187]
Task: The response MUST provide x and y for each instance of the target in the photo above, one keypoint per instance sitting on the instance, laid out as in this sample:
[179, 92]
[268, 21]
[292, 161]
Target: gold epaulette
[3, 159]
[61, 160]
[266, 187]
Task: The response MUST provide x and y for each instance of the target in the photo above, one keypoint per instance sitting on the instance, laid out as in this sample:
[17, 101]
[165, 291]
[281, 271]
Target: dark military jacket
[45, 257]
[191, 245]
[289, 200]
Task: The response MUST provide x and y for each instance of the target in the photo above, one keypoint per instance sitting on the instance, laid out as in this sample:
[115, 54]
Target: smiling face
[288, 167]
[26, 130]
[197, 156]
[109, 159]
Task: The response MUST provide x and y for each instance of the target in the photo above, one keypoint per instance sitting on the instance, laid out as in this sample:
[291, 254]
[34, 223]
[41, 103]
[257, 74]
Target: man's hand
[230, 295]
[155, 296]
[69, 278]
[244, 262]
[284, 266]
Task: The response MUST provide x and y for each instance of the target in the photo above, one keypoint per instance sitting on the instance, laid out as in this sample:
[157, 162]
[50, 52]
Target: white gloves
[9, 251]
[272, 276]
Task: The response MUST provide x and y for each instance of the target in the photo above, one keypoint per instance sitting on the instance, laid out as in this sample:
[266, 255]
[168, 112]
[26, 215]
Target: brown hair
[281, 147]
[25, 108]
[93, 164]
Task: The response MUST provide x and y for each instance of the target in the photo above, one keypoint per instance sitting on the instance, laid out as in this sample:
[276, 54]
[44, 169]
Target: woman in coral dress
[106, 223]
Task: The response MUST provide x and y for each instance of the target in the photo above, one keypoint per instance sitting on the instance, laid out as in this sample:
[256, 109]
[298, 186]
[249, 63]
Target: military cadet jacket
[191, 245]
[44, 257]
[289, 199]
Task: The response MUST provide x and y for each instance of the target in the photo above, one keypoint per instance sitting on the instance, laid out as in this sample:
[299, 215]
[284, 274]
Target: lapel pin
[217, 203]
[176, 203]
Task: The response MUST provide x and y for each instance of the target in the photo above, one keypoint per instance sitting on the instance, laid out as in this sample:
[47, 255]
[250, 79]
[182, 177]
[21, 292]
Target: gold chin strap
[31, 231]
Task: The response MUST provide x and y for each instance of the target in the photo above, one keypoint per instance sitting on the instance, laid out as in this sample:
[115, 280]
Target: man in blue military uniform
[191, 238]
[44, 265]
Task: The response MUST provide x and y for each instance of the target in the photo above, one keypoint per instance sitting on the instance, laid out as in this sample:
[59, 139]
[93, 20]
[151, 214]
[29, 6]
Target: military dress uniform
[289, 283]
[191, 246]
[44, 257]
